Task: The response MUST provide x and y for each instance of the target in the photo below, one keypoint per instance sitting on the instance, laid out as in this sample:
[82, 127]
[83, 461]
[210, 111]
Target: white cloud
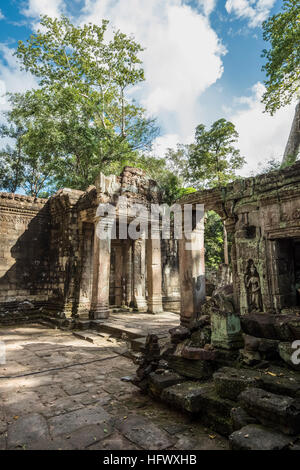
[207, 6]
[183, 55]
[262, 136]
[256, 11]
[35, 8]
[1, 15]
[12, 79]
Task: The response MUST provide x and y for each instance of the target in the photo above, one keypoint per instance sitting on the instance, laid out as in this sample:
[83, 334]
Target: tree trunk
[293, 143]
[226, 256]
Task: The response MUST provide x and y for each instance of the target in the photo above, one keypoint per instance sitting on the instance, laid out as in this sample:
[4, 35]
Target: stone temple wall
[48, 252]
[262, 217]
[24, 251]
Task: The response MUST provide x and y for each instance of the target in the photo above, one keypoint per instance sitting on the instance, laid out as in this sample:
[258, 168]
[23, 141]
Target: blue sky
[202, 62]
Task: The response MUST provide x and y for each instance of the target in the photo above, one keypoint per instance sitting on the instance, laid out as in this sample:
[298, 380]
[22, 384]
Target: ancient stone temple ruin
[232, 360]
[52, 263]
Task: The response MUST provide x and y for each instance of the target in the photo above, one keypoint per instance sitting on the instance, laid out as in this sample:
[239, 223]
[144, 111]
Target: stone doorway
[286, 280]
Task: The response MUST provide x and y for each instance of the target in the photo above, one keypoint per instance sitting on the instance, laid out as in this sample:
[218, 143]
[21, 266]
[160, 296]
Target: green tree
[81, 115]
[12, 165]
[213, 160]
[213, 240]
[282, 69]
[283, 58]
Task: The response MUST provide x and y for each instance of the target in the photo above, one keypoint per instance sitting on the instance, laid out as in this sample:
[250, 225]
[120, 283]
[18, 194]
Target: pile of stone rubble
[233, 374]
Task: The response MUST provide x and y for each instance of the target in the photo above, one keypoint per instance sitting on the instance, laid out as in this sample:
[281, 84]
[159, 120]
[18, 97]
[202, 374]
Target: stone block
[286, 353]
[178, 334]
[226, 330]
[257, 437]
[270, 326]
[186, 396]
[203, 354]
[158, 382]
[277, 411]
[196, 369]
[230, 382]
[281, 381]
[240, 418]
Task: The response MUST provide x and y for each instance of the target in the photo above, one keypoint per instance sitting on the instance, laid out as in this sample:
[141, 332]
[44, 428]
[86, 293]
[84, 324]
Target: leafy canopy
[213, 158]
[283, 58]
[81, 121]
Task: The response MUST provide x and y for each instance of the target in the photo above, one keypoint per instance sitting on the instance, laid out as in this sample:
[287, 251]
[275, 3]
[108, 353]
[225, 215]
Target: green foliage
[213, 158]
[213, 240]
[12, 168]
[270, 165]
[80, 120]
[283, 58]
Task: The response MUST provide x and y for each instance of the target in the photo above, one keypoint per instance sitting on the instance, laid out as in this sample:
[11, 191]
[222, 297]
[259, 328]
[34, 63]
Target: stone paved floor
[61, 392]
[143, 323]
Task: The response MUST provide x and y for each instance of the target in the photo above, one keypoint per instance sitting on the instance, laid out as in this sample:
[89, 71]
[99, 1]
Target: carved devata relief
[253, 288]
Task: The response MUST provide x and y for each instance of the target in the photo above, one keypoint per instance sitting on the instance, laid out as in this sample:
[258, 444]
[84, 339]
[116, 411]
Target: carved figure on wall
[253, 288]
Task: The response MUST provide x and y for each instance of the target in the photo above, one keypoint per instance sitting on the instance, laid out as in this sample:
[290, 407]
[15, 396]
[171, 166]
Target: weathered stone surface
[193, 353]
[201, 399]
[26, 430]
[230, 382]
[196, 369]
[158, 382]
[179, 334]
[277, 411]
[88, 435]
[250, 358]
[268, 348]
[286, 353]
[201, 337]
[240, 418]
[69, 422]
[257, 437]
[143, 433]
[2, 442]
[186, 396]
[278, 327]
[281, 381]
[226, 330]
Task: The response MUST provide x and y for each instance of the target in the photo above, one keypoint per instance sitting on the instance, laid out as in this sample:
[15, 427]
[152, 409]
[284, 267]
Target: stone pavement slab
[62, 392]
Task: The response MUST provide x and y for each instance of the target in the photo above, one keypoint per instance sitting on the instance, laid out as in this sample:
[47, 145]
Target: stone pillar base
[141, 304]
[155, 305]
[99, 312]
[226, 331]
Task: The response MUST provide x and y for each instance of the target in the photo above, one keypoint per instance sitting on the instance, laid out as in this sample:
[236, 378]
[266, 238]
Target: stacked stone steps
[263, 419]
[221, 402]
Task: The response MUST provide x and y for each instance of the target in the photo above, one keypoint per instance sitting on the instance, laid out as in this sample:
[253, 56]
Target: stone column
[101, 272]
[127, 271]
[118, 274]
[87, 234]
[192, 275]
[139, 271]
[154, 276]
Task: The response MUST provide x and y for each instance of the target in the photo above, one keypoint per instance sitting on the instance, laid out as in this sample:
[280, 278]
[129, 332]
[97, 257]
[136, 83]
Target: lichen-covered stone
[240, 418]
[186, 396]
[277, 327]
[277, 411]
[226, 330]
[196, 369]
[158, 382]
[286, 353]
[230, 382]
[201, 399]
[257, 437]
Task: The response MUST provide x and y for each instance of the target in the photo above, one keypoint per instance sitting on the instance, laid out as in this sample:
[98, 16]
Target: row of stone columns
[132, 258]
[138, 263]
